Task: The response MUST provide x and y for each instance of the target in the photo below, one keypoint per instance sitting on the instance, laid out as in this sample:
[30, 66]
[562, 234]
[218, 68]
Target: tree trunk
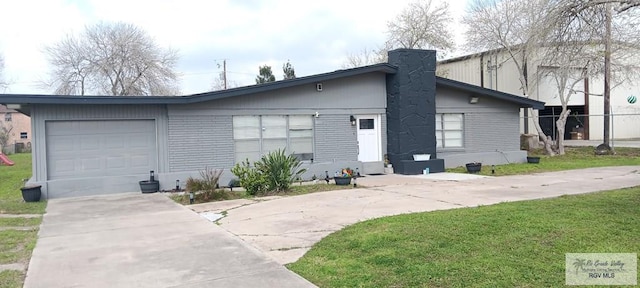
[561, 126]
[546, 140]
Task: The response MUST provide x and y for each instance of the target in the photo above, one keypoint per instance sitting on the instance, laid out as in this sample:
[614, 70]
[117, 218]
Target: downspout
[482, 70]
[525, 73]
[586, 109]
[490, 73]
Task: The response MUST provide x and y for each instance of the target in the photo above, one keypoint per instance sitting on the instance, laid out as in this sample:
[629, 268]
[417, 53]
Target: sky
[315, 36]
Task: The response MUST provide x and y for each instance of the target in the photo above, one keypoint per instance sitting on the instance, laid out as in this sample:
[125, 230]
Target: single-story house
[84, 145]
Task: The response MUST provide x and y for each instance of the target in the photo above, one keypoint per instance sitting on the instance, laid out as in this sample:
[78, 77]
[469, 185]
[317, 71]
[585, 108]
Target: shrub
[273, 173]
[208, 182]
[279, 170]
[250, 178]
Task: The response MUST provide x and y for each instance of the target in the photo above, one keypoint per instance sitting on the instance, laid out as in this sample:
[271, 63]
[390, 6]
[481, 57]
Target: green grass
[16, 245]
[10, 182]
[20, 222]
[575, 158]
[219, 195]
[11, 279]
[518, 244]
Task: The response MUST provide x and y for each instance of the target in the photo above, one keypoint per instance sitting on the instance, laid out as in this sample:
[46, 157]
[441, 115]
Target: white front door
[369, 138]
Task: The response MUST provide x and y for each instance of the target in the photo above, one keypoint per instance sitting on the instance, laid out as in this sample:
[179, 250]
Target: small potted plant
[150, 186]
[343, 177]
[31, 193]
[474, 167]
[533, 159]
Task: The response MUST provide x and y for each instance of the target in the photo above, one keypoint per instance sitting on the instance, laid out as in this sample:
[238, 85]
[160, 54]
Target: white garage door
[80, 149]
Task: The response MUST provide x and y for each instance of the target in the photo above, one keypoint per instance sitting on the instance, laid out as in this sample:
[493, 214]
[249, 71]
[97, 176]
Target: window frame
[8, 117]
[441, 131]
[288, 138]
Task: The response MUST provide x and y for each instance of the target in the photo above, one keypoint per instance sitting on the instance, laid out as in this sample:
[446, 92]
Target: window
[449, 130]
[23, 135]
[301, 136]
[366, 124]
[255, 136]
[7, 117]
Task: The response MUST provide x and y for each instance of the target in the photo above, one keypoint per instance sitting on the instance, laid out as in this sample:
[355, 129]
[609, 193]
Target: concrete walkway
[286, 227]
[136, 240]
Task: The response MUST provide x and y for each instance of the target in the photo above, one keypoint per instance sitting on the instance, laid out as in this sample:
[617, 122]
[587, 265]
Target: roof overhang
[479, 91]
[194, 98]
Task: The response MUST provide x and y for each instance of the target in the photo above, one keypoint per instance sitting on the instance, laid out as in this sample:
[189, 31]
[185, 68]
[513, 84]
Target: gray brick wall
[486, 132]
[199, 141]
[335, 139]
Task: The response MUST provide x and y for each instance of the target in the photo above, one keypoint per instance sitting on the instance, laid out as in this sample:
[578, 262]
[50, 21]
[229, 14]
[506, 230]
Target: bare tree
[5, 133]
[621, 5]
[3, 84]
[366, 57]
[115, 59]
[516, 27]
[618, 33]
[422, 25]
[219, 83]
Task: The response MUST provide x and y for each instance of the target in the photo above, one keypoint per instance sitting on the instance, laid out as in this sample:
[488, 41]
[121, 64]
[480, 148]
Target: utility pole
[224, 71]
[607, 74]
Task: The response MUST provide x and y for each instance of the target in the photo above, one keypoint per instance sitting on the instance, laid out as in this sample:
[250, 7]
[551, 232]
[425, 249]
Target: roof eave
[522, 101]
[194, 98]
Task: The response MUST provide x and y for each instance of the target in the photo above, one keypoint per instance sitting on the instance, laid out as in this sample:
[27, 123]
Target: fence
[583, 126]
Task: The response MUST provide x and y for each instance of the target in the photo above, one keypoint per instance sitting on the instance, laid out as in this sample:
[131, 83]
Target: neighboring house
[19, 126]
[347, 118]
[496, 70]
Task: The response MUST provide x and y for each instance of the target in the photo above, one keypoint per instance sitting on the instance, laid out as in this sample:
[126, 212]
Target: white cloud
[315, 36]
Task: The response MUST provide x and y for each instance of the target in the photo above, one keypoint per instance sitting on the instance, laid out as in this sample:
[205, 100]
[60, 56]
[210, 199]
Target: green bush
[273, 173]
[208, 181]
[250, 178]
[279, 170]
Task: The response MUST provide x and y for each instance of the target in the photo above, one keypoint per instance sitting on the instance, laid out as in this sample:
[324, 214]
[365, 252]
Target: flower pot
[31, 193]
[533, 159]
[342, 180]
[474, 168]
[147, 186]
[421, 157]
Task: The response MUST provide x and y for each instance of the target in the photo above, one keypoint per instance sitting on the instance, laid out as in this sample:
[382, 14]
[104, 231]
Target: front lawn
[518, 244]
[18, 235]
[575, 158]
[11, 179]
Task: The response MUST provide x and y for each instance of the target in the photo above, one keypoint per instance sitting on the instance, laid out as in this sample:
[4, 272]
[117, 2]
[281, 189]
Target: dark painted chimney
[411, 108]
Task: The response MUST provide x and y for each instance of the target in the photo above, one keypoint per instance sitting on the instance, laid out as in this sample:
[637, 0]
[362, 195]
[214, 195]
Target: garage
[99, 148]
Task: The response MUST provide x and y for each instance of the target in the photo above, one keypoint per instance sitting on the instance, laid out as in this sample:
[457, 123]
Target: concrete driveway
[136, 240]
[286, 227]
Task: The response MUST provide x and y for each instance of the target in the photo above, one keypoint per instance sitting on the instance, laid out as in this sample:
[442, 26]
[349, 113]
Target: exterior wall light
[353, 120]
[474, 99]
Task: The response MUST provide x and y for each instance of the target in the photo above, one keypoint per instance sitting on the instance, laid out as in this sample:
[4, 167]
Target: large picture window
[255, 136]
[449, 130]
